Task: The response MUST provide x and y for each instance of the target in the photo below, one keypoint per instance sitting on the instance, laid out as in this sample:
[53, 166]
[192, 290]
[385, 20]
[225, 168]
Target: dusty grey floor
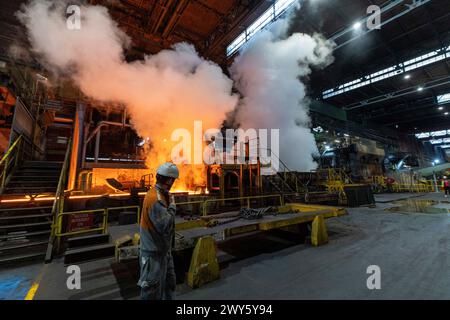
[410, 248]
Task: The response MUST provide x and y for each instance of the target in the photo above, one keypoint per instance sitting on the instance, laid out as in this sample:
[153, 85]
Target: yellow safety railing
[379, 180]
[204, 203]
[335, 179]
[104, 224]
[205, 207]
[422, 186]
[58, 203]
[10, 160]
[417, 187]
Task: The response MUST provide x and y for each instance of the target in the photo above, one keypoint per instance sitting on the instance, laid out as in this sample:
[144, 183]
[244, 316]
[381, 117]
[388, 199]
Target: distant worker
[446, 185]
[157, 228]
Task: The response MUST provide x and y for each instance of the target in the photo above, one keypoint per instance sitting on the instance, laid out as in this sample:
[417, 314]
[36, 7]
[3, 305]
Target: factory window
[412, 64]
[445, 98]
[269, 16]
[440, 141]
[432, 134]
[260, 23]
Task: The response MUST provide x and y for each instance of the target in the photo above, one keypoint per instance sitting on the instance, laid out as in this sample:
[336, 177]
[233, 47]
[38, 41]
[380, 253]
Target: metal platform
[189, 231]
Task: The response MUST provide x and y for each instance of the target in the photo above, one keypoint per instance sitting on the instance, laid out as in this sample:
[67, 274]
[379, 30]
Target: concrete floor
[15, 283]
[410, 248]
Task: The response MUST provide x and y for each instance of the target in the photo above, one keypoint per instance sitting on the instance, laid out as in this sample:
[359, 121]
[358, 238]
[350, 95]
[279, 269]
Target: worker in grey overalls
[157, 228]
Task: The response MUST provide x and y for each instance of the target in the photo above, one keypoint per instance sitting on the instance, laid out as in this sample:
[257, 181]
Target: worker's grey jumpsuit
[157, 227]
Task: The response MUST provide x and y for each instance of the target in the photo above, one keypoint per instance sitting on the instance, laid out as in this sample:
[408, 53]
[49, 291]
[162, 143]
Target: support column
[97, 145]
[75, 158]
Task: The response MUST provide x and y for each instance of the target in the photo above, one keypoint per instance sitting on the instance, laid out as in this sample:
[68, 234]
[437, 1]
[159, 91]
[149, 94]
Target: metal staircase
[26, 224]
[284, 180]
[34, 178]
[24, 233]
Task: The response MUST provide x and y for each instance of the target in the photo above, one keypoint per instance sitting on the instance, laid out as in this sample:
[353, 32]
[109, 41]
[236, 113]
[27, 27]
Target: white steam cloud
[268, 74]
[164, 92]
[175, 87]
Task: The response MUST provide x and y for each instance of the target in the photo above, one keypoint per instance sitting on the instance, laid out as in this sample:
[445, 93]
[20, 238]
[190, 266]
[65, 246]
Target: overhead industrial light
[392, 71]
[357, 26]
[318, 129]
[420, 89]
[446, 113]
[441, 108]
[443, 98]
[278, 8]
[408, 76]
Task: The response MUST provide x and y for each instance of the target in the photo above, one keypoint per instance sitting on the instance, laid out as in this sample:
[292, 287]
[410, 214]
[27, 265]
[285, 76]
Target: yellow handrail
[205, 212]
[58, 203]
[248, 198]
[16, 145]
[6, 155]
[105, 214]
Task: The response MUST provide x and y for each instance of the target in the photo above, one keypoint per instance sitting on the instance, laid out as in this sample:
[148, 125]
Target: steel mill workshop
[224, 150]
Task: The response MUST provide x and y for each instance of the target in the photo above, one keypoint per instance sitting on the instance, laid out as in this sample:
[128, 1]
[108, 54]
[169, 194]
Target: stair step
[25, 234]
[25, 209]
[11, 194]
[30, 177]
[47, 171]
[23, 245]
[25, 226]
[90, 240]
[34, 184]
[37, 190]
[30, 216]
[89, 253]
[13, 260]
[42, 164]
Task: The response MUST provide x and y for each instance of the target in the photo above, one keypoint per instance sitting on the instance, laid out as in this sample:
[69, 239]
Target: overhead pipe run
[97, 132]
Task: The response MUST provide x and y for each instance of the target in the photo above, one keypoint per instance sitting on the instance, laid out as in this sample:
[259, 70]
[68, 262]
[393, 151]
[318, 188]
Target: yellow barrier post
[319, 234]
[204, 266]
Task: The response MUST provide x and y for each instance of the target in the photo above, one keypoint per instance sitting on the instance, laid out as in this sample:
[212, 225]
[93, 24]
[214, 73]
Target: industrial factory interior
[225, 150]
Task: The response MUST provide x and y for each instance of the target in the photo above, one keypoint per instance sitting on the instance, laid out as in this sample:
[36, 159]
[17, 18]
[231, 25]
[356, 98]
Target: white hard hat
[168, 169]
